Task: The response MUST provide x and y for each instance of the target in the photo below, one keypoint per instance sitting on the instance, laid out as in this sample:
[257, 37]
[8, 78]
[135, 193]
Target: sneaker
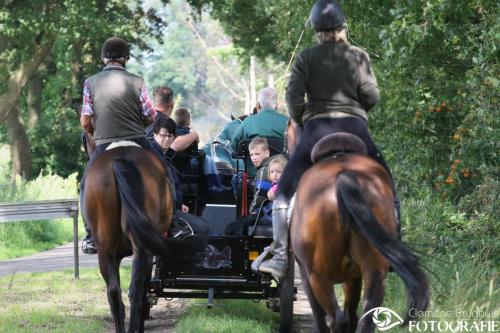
[88, 246]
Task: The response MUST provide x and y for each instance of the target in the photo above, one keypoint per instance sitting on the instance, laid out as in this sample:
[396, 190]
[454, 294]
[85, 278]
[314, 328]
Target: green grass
[24, 238]
[229, 316]
[55, 302]
[19, 239]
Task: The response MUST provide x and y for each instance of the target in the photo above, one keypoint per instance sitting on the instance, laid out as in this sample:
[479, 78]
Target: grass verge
[24, 238]
[55, 302]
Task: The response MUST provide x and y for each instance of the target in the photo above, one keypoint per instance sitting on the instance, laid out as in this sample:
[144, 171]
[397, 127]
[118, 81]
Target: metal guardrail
[44, 210]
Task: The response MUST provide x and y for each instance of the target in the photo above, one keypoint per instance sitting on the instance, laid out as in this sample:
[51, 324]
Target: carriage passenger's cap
[326, 15]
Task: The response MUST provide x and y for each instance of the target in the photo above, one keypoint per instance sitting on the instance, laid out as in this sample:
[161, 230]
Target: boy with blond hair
[182, 118]
[261, 159]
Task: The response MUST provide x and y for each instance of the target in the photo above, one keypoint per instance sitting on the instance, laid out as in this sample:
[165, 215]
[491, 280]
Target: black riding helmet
[115, 48]
[326, 15]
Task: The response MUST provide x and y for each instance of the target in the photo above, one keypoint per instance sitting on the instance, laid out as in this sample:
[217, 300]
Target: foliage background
[437, 66]
[437, 122]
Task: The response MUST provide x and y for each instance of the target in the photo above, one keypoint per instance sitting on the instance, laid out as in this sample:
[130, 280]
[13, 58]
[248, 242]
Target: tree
[437, 66]
[50, 33]
[208, 74]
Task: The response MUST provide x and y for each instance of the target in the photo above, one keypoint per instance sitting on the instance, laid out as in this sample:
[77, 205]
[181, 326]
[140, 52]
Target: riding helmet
[326, 15]
[115, 48]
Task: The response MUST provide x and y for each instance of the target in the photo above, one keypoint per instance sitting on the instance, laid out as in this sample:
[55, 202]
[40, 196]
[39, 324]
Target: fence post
[75, 241]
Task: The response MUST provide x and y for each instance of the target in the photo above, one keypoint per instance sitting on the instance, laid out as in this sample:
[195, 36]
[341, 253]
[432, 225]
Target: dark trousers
[314, 130]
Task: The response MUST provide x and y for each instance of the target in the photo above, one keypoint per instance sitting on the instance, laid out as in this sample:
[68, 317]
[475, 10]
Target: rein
[280, 90]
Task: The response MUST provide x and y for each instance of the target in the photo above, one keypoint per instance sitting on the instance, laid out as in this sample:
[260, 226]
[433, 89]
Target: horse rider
[116, 107]
[341, 88]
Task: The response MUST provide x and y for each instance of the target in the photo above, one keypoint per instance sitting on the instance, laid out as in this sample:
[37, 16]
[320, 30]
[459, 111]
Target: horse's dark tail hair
[131, 188]
[404, 262]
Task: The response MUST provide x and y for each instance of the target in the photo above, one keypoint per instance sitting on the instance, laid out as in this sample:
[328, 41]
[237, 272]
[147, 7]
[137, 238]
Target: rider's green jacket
[349, 88]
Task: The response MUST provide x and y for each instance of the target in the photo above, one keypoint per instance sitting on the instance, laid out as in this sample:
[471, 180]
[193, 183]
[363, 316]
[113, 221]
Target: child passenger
[276, 167]
[182, 118]
[264, 179]
[259, 155]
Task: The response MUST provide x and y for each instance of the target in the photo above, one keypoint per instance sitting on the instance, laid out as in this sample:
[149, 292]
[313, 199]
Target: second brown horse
[344, 230]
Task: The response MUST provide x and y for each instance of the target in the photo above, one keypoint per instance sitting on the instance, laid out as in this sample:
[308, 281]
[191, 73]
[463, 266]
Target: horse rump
[131, 189]
[352, 202]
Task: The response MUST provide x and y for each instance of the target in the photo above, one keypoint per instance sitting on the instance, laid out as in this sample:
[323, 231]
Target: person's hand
[271, 195]
[185, 209]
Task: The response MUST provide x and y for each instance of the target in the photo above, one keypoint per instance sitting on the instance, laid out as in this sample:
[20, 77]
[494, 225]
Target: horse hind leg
[141, 268]
[373, 297]
[352, 295]
[109, 267]
[324, 293]
[318, 312]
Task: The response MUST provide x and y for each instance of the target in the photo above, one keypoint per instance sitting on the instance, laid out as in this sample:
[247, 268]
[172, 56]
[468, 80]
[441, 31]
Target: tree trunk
[20, 149]
[270, 81]
[253, 94]
[248, 105]
[34, 100]
[76, 64]
[18, 79]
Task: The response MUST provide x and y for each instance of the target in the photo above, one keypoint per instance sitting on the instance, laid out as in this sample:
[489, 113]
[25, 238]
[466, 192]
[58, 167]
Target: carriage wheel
[146, 308]
[287, 293]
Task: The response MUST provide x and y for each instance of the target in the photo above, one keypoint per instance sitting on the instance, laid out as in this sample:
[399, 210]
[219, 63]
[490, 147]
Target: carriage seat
[337, 144]
[189, 163]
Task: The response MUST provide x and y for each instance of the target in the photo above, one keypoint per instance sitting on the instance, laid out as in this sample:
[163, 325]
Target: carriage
[225, 271]
[363, 219]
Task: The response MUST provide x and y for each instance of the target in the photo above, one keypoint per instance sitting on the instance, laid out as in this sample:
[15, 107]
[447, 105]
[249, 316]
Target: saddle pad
[125, 143]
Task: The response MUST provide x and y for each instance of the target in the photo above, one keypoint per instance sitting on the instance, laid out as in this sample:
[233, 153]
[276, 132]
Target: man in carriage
[267, 122]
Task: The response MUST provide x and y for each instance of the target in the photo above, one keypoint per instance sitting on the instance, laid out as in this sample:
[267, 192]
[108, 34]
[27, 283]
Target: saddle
[334, 145]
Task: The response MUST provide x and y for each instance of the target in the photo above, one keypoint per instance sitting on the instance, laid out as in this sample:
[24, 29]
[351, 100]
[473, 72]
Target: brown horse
[344, 230]
[128, 203]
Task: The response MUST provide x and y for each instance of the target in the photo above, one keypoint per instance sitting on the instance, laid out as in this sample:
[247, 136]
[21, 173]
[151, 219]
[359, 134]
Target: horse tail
[402, 260]
[131, 189]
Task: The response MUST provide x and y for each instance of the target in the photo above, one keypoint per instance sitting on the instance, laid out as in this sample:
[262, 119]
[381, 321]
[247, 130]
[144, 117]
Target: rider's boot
[88, 244]
[278, 264]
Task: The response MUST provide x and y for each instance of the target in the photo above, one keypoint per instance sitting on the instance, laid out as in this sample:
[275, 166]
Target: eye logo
[383, 318]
